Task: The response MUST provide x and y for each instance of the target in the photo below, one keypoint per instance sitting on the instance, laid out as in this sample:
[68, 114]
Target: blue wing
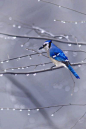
[57, 54]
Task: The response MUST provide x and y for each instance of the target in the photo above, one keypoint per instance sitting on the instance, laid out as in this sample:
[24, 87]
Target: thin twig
[75, 22]
[63, 7]
[40, 71]
[58, 109]
[37, 52]
[27, 66]
[60, 105]
[19, 57]
[44, 38]
[78, 120]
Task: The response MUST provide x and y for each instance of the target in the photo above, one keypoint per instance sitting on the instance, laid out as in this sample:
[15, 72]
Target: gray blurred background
[33, 18]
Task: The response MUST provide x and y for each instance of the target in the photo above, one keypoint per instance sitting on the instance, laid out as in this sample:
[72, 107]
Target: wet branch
[41, 71]
[44, 38]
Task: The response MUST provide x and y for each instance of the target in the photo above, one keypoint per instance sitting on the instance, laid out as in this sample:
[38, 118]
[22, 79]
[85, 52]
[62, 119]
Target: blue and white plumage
[57, 56]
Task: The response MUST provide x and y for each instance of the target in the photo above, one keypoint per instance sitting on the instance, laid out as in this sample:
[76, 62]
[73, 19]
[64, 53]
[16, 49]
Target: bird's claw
[52, 66]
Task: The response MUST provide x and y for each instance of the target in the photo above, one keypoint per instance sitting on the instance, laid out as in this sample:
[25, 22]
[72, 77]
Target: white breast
[57, 63]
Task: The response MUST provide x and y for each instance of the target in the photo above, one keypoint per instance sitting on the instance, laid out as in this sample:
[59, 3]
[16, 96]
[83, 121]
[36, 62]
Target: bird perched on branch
[57, 56]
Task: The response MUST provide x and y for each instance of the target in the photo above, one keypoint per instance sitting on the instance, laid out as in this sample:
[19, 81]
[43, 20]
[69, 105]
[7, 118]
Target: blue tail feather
[72, 70]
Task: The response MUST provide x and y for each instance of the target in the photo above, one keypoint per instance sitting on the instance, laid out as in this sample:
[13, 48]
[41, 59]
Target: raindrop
[42, 31]
[69, 45]
[79, 45]
[22, 45]
[2, 62]
[28, 114]
[66, 52]
[14, 25]
[54, 19]
[7, 61]
[27, 74]
[19, 27]
[60, 37]
[75, 22]
[5, 70]
[67, 37]
[14, 37]
[64, 22]
[30, 58]
[52, 114]
[37, 109]
[79, 65]
[43, 64]
[1, 75]
[34, 74]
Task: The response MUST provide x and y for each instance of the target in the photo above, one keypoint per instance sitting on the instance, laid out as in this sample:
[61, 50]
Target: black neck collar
[50, 43]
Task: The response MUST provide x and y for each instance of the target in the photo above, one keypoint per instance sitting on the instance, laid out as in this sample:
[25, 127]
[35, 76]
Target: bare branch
[75, 22]
[40, 71]
[43, 33]
[75, 51]
[58, 109]
[37, 52]
[20, 57]
[23, 67]
[45, 38]
[61, 105]
[63, 7]
[78, 120]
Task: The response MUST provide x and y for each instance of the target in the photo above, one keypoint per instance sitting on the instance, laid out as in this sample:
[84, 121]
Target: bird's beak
[41, 48]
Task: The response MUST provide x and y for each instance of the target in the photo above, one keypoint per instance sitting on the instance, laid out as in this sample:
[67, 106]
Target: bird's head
[46, 45]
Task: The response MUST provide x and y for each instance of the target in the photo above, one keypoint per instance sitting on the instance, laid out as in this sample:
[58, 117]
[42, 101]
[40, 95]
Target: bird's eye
[44, 45]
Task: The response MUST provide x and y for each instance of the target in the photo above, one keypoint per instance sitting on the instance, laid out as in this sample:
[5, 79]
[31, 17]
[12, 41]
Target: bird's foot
[53, 66]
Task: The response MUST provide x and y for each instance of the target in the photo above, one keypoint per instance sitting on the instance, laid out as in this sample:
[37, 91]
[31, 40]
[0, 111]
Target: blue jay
[57, 56]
